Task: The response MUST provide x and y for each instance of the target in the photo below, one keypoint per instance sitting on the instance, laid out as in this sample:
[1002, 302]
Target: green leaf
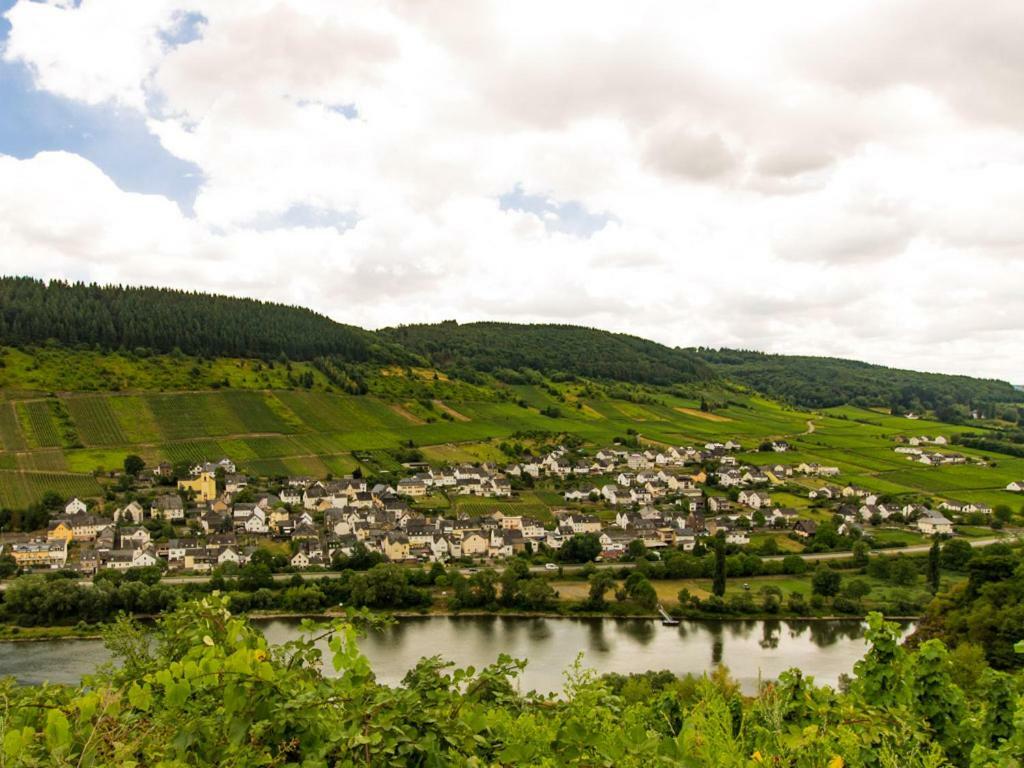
[57, 730]
[177, 693]
[140, 696]
[15, 741]
[87, 706]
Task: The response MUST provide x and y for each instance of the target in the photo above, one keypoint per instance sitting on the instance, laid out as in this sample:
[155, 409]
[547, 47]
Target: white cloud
[827, 178]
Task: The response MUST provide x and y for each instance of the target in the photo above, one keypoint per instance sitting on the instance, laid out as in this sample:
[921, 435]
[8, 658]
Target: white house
[934, 522]
[754, 499]
[579, 494]
[75, 507]
[1017, 486]
[256, 522]
[132, 513]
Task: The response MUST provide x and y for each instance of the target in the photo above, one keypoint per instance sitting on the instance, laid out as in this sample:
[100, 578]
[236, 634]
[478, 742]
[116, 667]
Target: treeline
[55, 599]
[822, 382]
[986, 612]
[205, 688]
[558, 351]
[1010, 443]
[163, 320]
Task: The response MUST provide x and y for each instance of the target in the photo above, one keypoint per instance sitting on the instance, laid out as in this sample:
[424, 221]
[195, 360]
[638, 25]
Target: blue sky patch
[569, 217]
[114, 139]
[187, 28]
[304, 215]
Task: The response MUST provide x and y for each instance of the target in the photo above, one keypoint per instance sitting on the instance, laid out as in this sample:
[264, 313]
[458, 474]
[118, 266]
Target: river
[752, 650]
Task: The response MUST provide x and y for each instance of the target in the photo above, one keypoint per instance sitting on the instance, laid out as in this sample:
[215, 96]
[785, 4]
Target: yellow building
[205, 486]
[396, 548]
[52, 554]
[60, 531]
[474, 545]
[77, 528]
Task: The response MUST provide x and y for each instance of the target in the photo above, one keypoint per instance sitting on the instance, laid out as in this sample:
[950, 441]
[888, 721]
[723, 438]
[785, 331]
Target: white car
[551, 566]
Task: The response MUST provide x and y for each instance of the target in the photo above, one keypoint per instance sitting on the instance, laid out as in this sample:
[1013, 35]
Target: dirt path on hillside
[450, 411]
[706, 415]
[406, 414]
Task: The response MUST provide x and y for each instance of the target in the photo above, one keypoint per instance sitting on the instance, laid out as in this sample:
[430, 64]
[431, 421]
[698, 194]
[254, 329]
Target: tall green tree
[718, 584]
[934, 556]
[133, 464]
[600, 583]
[825, 582]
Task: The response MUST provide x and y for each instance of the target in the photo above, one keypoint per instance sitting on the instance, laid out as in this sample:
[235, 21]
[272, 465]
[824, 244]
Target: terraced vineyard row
[39, 424]
[315, 433]
[19, 489]
[96, 420]
[11, 438]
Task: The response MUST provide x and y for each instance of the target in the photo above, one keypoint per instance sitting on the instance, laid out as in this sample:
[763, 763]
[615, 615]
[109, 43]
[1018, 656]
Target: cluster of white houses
[657, 495]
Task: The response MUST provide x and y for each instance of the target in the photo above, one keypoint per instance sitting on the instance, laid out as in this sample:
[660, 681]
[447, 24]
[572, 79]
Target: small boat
[666, 620]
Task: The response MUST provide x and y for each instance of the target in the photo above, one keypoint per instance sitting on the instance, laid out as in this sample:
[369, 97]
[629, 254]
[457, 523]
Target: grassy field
[525, 504]
[107, 406]
[882, 593]
[54, 369]
[900, 536]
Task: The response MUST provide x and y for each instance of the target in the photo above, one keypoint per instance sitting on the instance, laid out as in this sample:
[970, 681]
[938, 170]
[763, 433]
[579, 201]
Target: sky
[841, 178]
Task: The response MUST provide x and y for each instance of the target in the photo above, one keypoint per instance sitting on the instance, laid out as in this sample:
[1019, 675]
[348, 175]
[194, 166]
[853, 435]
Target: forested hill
[819, 382]
[162, 320]
[506, 348]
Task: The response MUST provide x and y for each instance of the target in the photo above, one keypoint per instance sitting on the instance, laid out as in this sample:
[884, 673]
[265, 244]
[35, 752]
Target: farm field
[279, 431]
[96, 421]
[19, 489]
[38, 424]
[668, 589]
[526, 503]
[11, 438]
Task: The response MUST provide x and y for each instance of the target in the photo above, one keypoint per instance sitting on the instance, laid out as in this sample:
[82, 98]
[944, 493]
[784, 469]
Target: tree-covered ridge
[554, 350]
[108, 318]
[209, 690]
[162, 320]
[821, 382]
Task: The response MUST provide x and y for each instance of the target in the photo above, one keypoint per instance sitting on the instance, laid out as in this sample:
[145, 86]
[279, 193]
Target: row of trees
[558, 351]
[163, 320]
[821, 382]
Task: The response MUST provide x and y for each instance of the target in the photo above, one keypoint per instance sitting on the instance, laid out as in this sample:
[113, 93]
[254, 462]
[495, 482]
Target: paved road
[315, 575]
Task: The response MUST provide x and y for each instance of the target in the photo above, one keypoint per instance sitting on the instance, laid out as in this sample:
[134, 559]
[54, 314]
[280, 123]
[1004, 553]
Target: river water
[752, 650]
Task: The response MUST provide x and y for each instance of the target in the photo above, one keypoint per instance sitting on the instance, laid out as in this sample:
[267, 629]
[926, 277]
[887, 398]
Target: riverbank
[16, 634]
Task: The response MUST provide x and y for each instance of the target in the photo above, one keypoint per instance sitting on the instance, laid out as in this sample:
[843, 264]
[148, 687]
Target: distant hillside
[108, 319]
[820, 382]
[554, 350]
[163, 320]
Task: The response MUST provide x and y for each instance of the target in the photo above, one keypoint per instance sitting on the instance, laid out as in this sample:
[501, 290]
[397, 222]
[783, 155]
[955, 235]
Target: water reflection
[595, 636]
[770, 634]
[755, 650]
[716, 640]
[826, 633]
[642, 632]
[538, 629]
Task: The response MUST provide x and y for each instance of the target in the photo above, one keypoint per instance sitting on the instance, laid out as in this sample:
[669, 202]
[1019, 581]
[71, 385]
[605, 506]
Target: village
[663, 497]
